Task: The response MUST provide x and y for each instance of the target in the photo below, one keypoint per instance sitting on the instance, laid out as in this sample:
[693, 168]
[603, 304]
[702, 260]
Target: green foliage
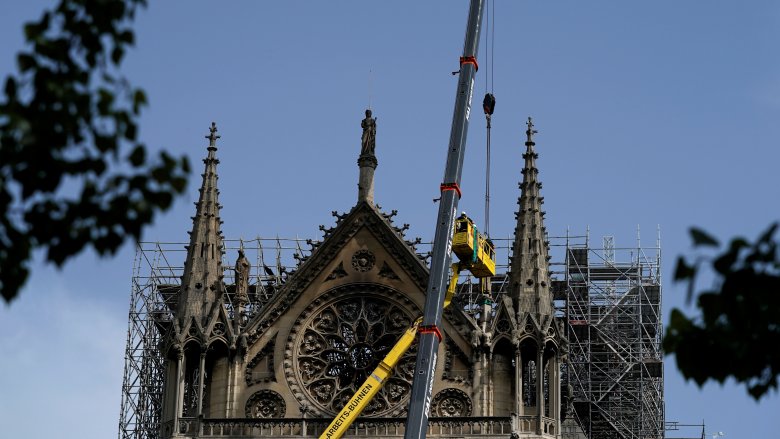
[72, 171]
[738, 332]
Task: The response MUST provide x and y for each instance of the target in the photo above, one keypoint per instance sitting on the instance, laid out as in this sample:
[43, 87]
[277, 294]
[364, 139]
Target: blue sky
[654, 113]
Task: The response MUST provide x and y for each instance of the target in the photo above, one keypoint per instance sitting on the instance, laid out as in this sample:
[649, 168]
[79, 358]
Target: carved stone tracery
[504, 326]
[265, 404]
[219, 329]
[387, 272]
[340, 339]
[337, 272]
[363, 260]
[451, 403]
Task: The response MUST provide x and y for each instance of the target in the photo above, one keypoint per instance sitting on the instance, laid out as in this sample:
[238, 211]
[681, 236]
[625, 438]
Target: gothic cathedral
[239, 367]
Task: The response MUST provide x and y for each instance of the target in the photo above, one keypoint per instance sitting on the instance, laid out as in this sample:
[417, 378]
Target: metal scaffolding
[610, 298]
[157, 272]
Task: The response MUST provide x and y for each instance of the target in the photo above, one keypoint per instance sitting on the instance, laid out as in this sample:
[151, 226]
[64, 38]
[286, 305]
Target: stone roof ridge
[387, 218]
[400, 231]
[363, 214]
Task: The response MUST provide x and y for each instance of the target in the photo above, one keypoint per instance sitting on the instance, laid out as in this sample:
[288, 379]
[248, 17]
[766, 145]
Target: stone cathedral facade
[287, 367]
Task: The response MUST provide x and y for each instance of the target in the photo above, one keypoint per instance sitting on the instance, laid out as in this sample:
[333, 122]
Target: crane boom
[429, 334]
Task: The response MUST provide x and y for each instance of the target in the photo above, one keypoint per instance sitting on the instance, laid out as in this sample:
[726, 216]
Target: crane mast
[429, 333]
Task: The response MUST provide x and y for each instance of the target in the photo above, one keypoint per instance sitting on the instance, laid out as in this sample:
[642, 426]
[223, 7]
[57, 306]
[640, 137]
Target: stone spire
[529, 271]
[367, 161]
[201, 284]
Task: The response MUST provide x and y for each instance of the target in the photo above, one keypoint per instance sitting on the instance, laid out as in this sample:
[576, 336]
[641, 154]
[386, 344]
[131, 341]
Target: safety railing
[483, 427]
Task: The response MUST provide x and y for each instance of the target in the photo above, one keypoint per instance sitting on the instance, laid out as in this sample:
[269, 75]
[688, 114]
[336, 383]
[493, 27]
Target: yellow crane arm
[371, 386]
[376, 380]
[456, 268]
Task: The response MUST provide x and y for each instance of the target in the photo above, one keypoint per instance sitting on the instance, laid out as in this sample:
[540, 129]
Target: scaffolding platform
[609, 298]
[612, 307]
[157, 272]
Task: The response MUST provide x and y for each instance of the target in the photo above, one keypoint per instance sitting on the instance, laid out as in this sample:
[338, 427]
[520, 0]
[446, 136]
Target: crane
[429, 333]
[475, 252]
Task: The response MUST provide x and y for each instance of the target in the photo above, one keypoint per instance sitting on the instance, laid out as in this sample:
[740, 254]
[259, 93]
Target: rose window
[265, 404]
[340, 343]
[451, 403]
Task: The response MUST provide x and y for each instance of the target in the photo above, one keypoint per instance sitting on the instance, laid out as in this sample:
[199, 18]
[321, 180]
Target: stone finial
[213, 136]
[530, 131]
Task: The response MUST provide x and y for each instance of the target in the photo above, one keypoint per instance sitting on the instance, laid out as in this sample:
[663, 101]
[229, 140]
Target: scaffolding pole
[609, 297]
[157, 272]
[615, 362]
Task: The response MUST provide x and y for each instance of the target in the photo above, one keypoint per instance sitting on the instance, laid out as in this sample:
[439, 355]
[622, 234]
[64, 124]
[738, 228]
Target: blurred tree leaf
[702, 238]
[72, 173]
[737, 333]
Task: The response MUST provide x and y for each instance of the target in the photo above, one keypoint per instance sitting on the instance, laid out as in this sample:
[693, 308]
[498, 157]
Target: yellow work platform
[473, 249]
